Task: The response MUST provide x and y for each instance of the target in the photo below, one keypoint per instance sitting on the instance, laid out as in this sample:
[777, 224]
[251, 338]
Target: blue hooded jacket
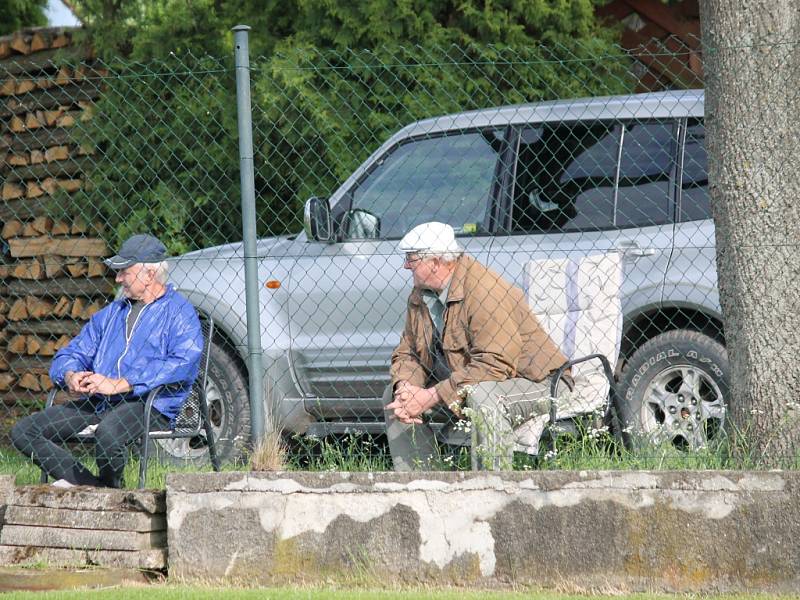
[164, 348]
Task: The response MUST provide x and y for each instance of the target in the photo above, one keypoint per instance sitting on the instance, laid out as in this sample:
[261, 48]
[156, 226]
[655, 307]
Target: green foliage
[17, 14]
[145, 30]
[151, 29]
[166, 157]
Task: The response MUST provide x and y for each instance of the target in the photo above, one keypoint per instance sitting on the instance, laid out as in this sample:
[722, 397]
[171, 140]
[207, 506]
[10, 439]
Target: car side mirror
[360, 224]
[317, 220]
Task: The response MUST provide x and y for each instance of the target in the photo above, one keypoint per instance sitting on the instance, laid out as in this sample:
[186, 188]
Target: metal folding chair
[192, 420]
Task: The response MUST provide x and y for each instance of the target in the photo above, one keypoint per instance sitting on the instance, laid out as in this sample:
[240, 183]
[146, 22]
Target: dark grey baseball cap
[139, 248]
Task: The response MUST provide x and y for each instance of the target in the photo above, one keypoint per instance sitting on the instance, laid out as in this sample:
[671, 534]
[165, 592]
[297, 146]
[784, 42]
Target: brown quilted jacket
[490, 334]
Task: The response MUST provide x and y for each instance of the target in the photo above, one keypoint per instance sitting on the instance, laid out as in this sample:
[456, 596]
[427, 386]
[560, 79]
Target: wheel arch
[646, 324]
[224, 339]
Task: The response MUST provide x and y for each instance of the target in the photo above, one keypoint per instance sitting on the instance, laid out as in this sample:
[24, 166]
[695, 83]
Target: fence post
[245, 125]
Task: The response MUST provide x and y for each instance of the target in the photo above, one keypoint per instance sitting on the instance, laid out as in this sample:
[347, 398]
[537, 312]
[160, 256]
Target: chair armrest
[148, 406]
[571, 363]
[151, 396]
[51, 397]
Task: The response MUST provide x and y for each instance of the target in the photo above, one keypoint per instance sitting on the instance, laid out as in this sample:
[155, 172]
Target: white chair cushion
[577, 301]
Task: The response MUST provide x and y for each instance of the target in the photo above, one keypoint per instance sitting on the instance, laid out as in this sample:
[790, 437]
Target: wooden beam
[47, 326]
[46, 60]
[38, 139]
[617, 10]
[35, 364]
[62, 96]
[668, 59]
[25, 208]
[661, 14]
[100, 286]
[60, 168]
[25, 247]
[29, 400]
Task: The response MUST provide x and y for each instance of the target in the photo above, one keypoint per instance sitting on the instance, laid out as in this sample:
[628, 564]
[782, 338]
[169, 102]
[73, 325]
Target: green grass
[26, 473]
[206, 593]
[594, 450]
[354, 452]
[11, 463]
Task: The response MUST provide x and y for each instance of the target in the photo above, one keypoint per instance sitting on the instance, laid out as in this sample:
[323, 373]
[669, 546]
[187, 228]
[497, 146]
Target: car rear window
[646, 166]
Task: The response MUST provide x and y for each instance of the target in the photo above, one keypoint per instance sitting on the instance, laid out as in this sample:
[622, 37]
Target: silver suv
[552, 179]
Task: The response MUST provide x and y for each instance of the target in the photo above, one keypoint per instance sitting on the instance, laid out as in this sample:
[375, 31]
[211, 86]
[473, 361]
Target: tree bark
[751, 50]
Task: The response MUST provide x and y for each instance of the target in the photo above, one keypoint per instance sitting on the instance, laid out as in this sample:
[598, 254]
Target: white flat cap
[430, 237]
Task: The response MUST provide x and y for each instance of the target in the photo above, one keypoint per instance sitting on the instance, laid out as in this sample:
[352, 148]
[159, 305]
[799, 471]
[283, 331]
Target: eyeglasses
[412, 259]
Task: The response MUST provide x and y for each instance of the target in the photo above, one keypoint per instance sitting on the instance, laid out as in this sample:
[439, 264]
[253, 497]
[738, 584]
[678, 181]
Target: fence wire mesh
[536, 188]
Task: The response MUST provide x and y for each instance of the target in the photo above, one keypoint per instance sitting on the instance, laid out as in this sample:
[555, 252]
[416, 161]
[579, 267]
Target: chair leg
[143, 460]
[212, 445]
[43, 477]
[145, 450]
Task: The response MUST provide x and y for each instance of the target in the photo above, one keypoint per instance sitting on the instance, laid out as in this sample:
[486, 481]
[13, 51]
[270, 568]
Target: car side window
[695, 204]
[565, 177]
[646, 166]
[447, 178]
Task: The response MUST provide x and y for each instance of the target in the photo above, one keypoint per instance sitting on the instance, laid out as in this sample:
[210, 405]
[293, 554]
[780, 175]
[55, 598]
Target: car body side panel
[692, 274]
[643, 279]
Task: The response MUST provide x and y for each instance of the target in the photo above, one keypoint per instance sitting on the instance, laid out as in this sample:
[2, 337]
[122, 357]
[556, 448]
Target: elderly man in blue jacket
[149, 338]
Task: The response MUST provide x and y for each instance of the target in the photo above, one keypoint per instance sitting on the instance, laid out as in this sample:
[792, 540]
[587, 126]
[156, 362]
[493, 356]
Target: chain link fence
[475, 136]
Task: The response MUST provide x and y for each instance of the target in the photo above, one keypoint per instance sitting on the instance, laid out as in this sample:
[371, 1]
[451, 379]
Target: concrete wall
[682, 531]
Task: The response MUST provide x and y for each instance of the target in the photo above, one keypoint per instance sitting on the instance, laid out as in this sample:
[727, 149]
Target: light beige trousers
[495, 409]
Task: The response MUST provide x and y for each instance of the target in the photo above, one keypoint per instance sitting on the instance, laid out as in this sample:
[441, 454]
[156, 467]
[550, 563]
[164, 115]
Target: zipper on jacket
[129, 335]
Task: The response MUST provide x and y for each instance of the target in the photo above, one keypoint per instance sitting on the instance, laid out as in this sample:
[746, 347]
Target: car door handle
[634, 249]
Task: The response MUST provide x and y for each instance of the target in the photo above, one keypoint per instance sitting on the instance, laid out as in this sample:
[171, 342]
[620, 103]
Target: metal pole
[245, 122]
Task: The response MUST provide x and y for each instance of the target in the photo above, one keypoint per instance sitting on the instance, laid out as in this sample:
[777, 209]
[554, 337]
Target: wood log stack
[51, 268]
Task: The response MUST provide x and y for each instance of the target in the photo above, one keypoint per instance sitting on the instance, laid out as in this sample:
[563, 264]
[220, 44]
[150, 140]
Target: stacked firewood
[51, 268]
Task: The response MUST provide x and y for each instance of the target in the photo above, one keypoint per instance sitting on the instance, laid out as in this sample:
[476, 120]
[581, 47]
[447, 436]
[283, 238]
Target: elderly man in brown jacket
[469, 339]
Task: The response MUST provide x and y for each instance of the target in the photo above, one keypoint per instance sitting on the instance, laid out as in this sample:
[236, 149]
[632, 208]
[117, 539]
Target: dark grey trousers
[40, 435]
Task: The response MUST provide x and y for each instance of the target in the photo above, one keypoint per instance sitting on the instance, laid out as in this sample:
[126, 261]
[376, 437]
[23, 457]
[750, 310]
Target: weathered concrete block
[84, 539]
[89, 498]
[680, 531]
[85, 519]
[155, 559]
[6, 488]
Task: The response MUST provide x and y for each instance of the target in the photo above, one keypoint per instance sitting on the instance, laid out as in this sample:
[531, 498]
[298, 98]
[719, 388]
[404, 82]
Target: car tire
[674, 389]
[229, 413]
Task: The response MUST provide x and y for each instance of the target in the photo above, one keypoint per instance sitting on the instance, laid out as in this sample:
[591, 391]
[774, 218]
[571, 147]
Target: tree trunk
[751, 50]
